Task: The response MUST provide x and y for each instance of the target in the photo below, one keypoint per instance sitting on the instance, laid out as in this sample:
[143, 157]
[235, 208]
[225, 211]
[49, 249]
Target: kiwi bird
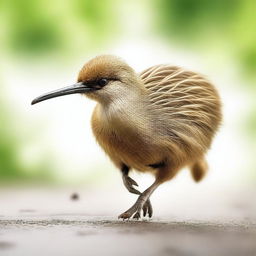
[157, 121]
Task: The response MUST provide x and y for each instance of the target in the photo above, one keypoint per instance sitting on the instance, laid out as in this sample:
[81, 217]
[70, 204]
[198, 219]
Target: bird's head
[103, 78]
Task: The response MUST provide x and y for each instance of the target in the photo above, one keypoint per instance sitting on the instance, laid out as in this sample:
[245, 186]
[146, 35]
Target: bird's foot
[129, 183]
[135, 210]
[140, 204]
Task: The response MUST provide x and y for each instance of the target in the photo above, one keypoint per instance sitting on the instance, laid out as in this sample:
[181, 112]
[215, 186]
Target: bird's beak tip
[33, 102]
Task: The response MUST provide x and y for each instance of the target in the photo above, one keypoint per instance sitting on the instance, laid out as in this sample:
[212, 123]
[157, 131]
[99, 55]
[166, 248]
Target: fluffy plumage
[189, 112]
[170, 120]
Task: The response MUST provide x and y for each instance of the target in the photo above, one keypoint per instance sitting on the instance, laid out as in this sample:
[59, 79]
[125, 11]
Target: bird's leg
[135, 210]
[129, 183]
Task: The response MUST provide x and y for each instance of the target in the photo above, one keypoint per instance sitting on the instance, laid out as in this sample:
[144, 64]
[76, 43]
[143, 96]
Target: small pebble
[74, 197]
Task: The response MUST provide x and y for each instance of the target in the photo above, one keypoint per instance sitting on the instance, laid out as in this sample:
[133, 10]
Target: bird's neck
[129, 111]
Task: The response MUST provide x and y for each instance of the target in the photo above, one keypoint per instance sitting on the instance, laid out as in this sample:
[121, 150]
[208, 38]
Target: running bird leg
[129, 184]
[135, 210]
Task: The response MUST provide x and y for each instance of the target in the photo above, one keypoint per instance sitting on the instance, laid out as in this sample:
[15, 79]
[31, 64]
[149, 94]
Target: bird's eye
[102, 82]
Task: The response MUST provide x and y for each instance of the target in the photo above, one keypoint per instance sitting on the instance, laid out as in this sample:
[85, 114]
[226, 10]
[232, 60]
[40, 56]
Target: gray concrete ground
[76, 235]
[47, 222]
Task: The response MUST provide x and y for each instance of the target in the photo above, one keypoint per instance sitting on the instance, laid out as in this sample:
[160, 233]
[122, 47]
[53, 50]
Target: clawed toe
[134, 212]
[136, 215]
[124, 216]
[150, 209]
[147, 209]
[132, 182]
[129, 183]
[128, 215]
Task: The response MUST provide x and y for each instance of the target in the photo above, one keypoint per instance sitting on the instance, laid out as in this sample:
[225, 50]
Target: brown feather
[163, 115]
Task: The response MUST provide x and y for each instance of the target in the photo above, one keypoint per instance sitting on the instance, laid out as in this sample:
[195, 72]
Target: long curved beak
[75, 88]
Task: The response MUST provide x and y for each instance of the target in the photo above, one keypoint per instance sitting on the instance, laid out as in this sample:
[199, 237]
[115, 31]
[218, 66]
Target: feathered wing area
[187, 107]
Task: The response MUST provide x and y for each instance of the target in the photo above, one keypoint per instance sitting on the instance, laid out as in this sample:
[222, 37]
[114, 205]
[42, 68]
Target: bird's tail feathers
[199, 169]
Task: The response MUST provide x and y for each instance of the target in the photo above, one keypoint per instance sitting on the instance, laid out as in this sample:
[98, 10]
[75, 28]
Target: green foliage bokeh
[39, 28]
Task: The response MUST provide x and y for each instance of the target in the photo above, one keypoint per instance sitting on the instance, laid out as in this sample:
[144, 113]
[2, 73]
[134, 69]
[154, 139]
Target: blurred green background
[44, 43]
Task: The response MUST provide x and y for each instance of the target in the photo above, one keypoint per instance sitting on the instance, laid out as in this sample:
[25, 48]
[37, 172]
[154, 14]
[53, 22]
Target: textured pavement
[48, 222]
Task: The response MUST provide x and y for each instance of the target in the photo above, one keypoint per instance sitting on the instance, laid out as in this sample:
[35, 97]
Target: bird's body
[172, 121]
[126, 136]
[158, 121]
